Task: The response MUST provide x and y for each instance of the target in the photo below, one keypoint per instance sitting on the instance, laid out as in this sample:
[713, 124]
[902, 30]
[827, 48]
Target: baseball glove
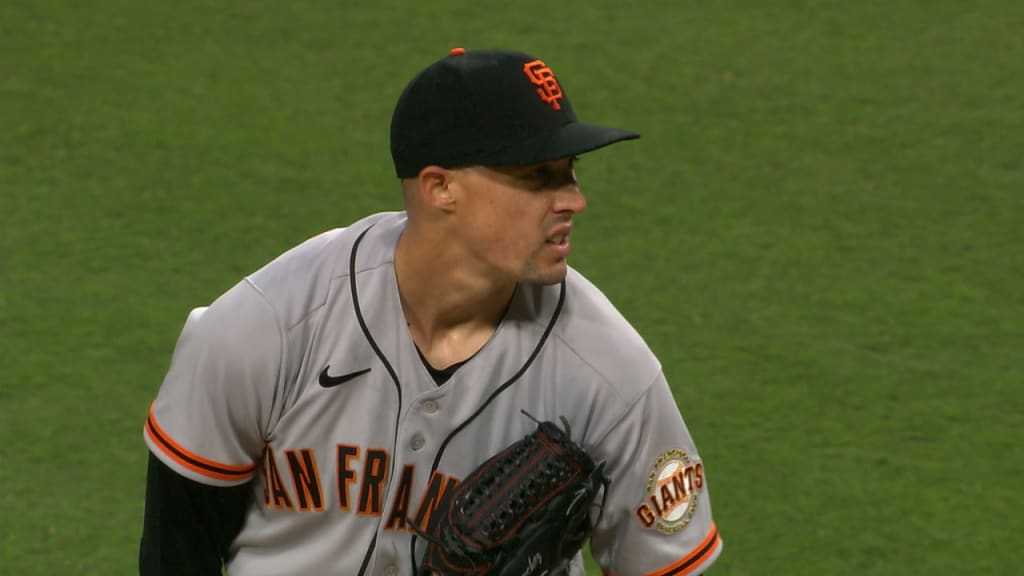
[524, 511]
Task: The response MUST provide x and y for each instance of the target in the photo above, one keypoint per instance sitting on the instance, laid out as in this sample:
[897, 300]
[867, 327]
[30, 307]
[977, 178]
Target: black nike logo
[328, 381]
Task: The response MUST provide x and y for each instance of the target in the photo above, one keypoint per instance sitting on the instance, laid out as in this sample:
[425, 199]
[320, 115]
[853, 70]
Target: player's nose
[570, 198]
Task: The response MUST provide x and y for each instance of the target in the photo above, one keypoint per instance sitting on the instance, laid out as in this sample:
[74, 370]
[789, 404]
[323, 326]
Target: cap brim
[566, 141]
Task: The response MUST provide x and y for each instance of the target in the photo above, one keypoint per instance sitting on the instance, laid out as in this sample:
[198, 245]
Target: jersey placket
[414, 490]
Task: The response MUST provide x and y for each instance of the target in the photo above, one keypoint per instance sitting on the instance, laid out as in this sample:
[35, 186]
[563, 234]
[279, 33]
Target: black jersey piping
[387, 366]
[515, 377]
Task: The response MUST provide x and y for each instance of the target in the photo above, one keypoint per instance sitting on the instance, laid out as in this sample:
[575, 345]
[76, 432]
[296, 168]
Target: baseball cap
[491, 108]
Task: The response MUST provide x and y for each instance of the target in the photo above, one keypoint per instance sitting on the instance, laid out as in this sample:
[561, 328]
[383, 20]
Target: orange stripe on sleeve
[695, 559]
[192, 461]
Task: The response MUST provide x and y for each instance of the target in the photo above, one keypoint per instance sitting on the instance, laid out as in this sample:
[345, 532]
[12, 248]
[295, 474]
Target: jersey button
[429, 406]
[391, 570]
[417, 442]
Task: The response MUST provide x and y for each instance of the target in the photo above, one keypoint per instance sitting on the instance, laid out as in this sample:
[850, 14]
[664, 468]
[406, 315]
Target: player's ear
[436, 188]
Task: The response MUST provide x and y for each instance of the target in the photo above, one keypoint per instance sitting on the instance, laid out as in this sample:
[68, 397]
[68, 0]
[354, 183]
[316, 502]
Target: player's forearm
[188, 526]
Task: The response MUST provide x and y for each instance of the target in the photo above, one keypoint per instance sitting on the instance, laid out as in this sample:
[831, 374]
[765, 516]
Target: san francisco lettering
[292, 481]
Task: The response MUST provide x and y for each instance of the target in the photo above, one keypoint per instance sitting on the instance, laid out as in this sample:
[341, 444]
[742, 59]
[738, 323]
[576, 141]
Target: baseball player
[314, 415]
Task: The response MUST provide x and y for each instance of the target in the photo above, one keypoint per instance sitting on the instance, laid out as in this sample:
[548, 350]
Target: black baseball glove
[525, 511]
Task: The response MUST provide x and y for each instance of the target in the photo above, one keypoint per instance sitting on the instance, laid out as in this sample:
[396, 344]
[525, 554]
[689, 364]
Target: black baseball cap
[491, 108]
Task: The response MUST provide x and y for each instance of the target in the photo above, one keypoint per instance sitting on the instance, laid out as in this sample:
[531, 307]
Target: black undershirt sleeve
[188, 526]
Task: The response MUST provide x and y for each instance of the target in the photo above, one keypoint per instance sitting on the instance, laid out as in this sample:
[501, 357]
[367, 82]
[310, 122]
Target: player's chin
[546, 273]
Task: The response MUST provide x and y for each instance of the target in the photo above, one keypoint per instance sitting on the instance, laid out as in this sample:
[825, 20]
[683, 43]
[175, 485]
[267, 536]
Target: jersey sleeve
[210, 418]
[657, 514]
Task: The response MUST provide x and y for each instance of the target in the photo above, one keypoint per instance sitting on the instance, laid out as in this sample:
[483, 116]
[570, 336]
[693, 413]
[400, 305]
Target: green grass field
[820, 234]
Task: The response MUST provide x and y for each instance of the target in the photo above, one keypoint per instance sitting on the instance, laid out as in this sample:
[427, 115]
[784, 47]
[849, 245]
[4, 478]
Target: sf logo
[542, 77]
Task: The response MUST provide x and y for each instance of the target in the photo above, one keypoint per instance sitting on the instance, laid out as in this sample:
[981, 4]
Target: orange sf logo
[542, 76]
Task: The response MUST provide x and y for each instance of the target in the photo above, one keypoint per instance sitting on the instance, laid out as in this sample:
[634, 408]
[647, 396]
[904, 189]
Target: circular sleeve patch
[675, 482]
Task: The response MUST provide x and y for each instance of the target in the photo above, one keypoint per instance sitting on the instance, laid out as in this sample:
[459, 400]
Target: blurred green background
[820, 234]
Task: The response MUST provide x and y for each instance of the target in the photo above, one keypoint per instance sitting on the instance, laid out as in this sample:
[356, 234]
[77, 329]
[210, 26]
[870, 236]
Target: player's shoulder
[593, 329]
[301, 278]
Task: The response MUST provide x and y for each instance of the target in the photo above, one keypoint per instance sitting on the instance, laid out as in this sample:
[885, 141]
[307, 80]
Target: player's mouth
[559, 242]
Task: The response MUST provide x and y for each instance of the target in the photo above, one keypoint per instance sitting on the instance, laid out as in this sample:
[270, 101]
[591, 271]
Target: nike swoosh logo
[328, 381]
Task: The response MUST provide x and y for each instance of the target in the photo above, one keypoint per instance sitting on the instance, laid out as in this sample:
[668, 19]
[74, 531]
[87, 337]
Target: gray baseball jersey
[304, 379]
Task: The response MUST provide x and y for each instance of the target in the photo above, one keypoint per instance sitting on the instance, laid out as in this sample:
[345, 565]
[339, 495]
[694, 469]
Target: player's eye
[551, 176]
[541, 175]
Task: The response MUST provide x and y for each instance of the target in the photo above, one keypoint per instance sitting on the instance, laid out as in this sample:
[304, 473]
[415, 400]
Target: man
[315, 414]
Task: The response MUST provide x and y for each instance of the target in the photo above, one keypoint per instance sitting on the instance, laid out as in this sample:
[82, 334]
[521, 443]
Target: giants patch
[675, 482]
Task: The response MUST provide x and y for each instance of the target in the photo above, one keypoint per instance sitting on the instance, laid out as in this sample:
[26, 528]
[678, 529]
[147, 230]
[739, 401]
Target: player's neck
[451, 312]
